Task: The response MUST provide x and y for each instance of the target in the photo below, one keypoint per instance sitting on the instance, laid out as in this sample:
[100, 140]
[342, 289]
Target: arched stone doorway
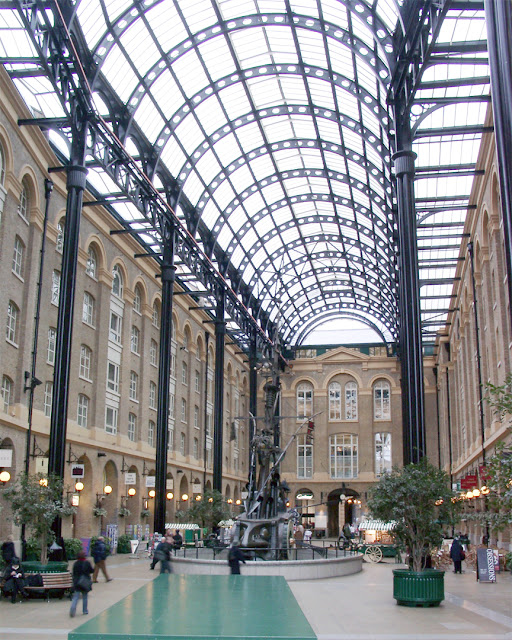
[341, 508]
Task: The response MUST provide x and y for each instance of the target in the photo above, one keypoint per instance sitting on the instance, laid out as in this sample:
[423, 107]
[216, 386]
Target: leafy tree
[36, 501]
[418, 499]
[209, 511]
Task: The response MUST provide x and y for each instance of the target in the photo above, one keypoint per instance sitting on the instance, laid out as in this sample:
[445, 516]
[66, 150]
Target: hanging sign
[169, 484]
[5, 457]
[42, 465]
[196, 487]
[130, 478]
[469, 482]
[485, 569]
[77, 470]
[150, 481]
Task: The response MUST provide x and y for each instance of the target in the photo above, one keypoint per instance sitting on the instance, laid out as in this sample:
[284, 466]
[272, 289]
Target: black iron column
[76, 180]
[253, 386]
[411, 355]
[220, 334]
[498, 14]
[164, 372]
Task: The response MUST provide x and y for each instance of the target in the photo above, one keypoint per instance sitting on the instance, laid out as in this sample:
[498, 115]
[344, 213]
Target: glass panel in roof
[217, 57]
[140, 46]
[173, 157]
[92, 20]
[234, 101]
[190, 73]
[241, 179]
[208, 167]
[197, 14]
[193, 187]
[189, 133]
[119, 73]
[321, 93]
[149, 119]
[210, 214]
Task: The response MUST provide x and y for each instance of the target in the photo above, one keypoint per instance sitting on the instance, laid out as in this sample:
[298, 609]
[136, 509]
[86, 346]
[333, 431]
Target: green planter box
[51, 567]
[418, 588]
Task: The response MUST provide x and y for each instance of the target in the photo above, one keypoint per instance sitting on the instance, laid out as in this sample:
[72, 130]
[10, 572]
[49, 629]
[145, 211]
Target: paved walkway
[359, 607]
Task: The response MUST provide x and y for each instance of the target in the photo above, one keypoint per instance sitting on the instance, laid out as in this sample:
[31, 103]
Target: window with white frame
[343, 455]
[17, 257]
[209, 424]
[137, 300]
[197, 382]
[132, 422]
[7, 393]
[82, 412]
[185, 342]
[2, 166]
[335, 401]
[117, 282]
[304, 400]
[196, 449]
[183, 410]
[23, 206]
[172, 406]
[196, 417]
[151, 433]
[55, 288]
[48, 398]
[88, 309]
[134, 386]
[92, 263]
[111, 415]
[170, 439]
[11, 329]
[182, 443]
[155, 319]
[382, 453]
[304, 458]
[60, 236]
[173, 365]
[50, 350]
[381, 400]
[85, 362]
[153, 350]
[184, 373]
[134, 339]
[113, 377]
[351, 401]
[115, 327]
[152, 395]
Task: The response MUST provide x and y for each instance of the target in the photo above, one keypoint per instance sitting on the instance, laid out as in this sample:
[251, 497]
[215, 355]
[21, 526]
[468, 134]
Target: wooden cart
[376, 540]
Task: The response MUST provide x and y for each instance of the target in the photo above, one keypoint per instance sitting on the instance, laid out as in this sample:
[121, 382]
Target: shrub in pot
[123, 544]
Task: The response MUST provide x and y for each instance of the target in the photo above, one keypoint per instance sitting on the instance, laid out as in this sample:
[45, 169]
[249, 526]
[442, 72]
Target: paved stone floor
[358, 607]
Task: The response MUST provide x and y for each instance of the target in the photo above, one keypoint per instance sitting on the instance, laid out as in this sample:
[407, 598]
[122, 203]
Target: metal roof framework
[264, 129]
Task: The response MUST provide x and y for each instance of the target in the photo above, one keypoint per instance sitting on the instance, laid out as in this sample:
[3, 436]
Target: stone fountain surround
[289, 569]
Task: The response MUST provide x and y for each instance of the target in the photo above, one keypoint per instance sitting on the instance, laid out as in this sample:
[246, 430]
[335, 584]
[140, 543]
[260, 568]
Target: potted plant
[418, 499]
[145, 513]
[123, 512]
[99, 512]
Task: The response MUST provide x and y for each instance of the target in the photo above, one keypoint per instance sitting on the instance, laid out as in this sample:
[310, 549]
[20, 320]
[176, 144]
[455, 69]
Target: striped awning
[376, 525]
[181, 525]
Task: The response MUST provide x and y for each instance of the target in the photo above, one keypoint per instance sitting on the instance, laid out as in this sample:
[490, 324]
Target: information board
[485, 570]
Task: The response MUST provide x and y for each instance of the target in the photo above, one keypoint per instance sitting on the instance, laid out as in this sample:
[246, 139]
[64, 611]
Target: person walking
[82, 584]
[163, 554]
[457, 555]
[99, 554]
[235, 556]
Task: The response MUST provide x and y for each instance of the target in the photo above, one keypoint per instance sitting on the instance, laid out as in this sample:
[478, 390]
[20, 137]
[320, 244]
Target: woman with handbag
[82, 570]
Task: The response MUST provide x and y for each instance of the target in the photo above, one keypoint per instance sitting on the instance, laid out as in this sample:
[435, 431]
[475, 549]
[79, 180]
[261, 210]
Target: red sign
[468, 482]
[482, 472]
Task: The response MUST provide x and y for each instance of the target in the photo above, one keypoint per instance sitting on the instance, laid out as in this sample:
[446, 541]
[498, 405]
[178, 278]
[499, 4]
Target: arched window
[11, 330]
[304, 400]
[351, 401]
[335, 401]
[343, 455]
[382, 453]
[381, 400]
[156, 314]
[137, 300]
[2, 166]
[92, 263]
[23, 206]
[60, 235]
[117, 282]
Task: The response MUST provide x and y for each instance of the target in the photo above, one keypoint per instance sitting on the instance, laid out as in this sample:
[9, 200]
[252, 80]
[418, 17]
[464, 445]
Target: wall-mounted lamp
[43, 482]
[107, 490]
[5, 476]
[131, 492]
[169, 495]
[229, 501]
[79, 486]
[152, 493]
[184, 497]
[239, 502]
[210, 499]
[485, 491]
[198, 498]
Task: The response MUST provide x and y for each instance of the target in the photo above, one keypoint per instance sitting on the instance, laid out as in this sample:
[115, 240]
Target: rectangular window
[184, 373]
[6, 393]
[151, 433]
[183, 410]
[48, 398]
[196, 417]
[134, 340]
[152, 395]
[115, 327]
[113, 377]
[170, 443]
[12, 322]
[304, 401]
[55, 288]
[351, 401]
[197, 380]
[132, 421]
[173, 366]
[82, 411]
[381, 401]
[335, 401]
[111, 420]
[88, 309]
[343, 456]
[50, 351]
[196, 448]
[153, 348]
[172, 404]
[17, 257]
[382, 453]
[85, 362]
[134, 386]
[304, 458]
[182, 444]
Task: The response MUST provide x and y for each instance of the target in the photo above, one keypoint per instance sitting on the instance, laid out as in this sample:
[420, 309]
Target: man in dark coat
[177, 540]
[457, 555]
[99, 554]
[235, 556]
[14, 580]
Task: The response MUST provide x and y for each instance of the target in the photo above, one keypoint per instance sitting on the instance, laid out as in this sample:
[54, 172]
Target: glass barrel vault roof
[274, 118]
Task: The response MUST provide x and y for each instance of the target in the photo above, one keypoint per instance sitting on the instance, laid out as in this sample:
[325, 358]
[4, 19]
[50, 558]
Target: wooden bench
[62, 581]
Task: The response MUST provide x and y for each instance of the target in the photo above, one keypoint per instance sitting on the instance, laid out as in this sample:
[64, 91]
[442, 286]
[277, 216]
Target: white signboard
[150, 481]
[169, 484]
[41, 465]
[196, 488]
[5, 457]
[130, 478]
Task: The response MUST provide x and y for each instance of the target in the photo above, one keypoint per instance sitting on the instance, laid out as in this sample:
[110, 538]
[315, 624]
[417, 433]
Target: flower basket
[145, 513]
[98, 512]
[123, 512]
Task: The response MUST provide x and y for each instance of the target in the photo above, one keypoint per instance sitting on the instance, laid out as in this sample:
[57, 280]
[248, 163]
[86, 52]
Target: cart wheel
[373, 554]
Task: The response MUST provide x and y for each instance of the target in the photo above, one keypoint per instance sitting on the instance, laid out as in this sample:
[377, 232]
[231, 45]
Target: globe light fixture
[184, 497]
[107, 489]
[152, 493]
[79, 486]
[5, 476]
[169, 495]
[131, 491]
